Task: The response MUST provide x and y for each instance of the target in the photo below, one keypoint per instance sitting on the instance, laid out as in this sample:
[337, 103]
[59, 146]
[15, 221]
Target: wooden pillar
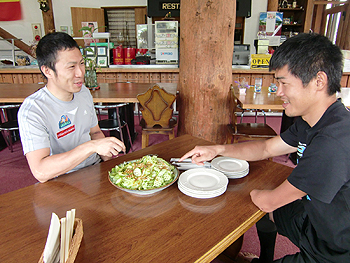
[49, 23]
[346, 39]
[272, 5]
[308, 15]
[206, 50]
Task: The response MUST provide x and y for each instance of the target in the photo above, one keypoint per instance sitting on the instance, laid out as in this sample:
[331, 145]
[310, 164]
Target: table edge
[232, 237]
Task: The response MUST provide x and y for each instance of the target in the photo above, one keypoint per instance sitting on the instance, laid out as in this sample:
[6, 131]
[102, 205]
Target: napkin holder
[75, 243]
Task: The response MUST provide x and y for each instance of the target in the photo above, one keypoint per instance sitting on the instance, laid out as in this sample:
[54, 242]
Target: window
[121, 24]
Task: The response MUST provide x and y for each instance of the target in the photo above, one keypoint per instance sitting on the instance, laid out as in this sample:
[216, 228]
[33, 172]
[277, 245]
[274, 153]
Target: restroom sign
[162, 7]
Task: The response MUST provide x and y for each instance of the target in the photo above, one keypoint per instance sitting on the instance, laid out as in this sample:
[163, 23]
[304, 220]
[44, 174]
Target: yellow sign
[260, 60]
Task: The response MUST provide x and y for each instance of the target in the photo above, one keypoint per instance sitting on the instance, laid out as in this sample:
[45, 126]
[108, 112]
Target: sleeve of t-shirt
[290, 136]
[33, 132]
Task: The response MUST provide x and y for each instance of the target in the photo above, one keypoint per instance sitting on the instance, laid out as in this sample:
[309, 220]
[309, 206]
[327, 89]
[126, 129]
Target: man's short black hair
[48, 47]
[306, 55]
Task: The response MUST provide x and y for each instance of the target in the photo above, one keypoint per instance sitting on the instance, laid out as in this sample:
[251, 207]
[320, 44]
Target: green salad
[146, 173]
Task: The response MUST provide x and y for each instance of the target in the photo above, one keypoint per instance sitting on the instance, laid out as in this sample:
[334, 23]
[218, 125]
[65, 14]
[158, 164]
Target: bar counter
[142, 73]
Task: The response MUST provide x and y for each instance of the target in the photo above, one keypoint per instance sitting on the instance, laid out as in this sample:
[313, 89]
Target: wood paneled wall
[171, 76]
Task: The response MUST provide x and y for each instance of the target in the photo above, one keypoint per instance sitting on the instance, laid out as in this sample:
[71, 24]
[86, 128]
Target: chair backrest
[233, 105]
[156, 106]
[9, 111]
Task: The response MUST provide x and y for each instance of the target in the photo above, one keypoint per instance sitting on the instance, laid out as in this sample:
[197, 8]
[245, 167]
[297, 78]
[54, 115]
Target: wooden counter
[142, 74]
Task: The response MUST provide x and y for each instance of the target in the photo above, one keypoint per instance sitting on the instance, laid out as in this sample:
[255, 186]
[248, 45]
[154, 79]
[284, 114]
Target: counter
[142, 74]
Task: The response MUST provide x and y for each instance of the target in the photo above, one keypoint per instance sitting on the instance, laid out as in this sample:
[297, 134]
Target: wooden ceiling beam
[18, 43]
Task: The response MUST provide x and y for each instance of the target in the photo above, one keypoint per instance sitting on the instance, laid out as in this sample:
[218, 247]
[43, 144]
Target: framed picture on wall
[101, 51]
[90, 51]
[102, 61]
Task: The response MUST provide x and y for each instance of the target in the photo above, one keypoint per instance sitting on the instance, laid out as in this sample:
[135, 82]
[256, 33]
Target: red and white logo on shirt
[66, 131]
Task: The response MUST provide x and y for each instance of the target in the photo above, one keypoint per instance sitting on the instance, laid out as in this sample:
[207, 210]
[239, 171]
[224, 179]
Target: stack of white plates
[231, 167]
[202, 183]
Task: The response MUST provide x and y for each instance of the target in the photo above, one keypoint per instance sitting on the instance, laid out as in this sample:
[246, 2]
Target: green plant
[90, 62]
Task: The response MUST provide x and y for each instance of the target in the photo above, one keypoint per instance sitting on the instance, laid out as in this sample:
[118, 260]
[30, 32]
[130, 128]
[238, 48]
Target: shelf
[100, 37]
[294, 25]
[290, 9]
[296, 17]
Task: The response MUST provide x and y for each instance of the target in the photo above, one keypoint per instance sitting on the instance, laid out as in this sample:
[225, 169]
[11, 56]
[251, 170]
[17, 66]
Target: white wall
[252, 23]
[62, 17]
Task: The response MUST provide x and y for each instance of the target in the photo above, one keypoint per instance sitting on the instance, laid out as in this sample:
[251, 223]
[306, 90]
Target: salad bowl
[117, 174]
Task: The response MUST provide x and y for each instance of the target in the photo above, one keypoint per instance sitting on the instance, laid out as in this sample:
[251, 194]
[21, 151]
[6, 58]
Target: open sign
[260, 60]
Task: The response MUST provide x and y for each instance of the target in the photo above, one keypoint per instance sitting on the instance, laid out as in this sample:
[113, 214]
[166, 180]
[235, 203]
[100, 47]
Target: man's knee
[265, 224]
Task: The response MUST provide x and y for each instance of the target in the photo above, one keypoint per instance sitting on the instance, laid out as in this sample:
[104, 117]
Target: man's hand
[201, 154]
[108, 147]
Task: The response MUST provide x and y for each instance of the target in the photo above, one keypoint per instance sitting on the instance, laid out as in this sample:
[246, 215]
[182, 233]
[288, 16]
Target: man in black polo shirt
[311, 207]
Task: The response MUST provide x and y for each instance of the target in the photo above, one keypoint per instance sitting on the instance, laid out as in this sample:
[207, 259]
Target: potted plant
[90, 61]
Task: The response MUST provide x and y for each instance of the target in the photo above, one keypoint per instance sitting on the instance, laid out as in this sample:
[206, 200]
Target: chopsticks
[187, 164]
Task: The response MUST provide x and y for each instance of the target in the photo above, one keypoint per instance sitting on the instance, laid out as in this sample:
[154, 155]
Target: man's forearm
[49, 167]
[270, 200]
[250, 151]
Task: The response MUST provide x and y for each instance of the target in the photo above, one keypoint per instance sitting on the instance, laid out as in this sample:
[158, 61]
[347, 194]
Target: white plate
[199, 192]
[203, 179]
[229, 165]
[202, 195]
[237, 176]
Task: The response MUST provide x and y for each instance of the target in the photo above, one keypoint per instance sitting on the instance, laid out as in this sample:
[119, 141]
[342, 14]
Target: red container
[118, 56]
[129, 54]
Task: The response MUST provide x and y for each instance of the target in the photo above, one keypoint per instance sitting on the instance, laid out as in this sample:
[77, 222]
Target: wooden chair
[8, 126]
[157, 113]
[246, 131]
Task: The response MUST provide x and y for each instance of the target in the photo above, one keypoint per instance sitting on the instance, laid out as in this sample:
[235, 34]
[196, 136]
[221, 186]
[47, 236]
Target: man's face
[297, 99]
[70, 70]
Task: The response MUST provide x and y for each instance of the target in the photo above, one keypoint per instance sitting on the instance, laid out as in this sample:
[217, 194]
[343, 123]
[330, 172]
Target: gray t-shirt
[47, 122]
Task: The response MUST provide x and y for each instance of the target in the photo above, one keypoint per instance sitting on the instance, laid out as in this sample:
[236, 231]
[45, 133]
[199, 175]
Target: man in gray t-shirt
[58, 124]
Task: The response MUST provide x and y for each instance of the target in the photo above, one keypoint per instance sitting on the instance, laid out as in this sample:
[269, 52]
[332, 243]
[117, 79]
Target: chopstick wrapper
[52, 243]
[59, 238]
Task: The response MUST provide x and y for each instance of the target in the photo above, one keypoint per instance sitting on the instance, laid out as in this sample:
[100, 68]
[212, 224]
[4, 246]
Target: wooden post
[308, 15]
[272, 5]
[49, 23]
[206, 50]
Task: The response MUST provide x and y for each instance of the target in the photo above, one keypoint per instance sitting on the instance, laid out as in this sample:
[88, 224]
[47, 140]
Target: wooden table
[258, 101]
[121, 227]
[266, 100]
[120, 92]
[108, 93]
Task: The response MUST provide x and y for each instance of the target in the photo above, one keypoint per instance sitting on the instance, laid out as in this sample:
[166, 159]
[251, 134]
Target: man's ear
[47, 71]
[321, 80]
